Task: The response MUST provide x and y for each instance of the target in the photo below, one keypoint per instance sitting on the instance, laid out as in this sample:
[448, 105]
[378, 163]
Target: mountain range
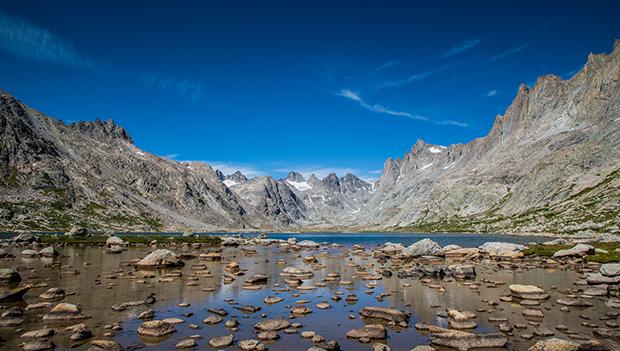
[550, 164]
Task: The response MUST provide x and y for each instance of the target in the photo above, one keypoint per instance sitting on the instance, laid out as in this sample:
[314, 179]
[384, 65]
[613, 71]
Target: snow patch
[301, 186]
[436, 150]
[229, 182]
[449, 166]
[426, 166]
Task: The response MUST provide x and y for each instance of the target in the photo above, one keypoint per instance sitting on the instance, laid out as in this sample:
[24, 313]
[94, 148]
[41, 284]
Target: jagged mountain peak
[102, 130]
[295, 177]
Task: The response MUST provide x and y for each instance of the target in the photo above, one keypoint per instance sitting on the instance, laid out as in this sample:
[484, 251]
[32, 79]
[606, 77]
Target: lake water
[96, 280]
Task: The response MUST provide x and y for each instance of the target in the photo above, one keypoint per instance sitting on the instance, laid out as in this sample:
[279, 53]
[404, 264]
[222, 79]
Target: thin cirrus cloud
[384, 66]
[25, 40]
[491, 93]
[460, 48]
[180, 87]
[506, 53]
[351, 95]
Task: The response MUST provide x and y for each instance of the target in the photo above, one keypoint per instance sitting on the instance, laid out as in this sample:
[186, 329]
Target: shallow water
[97, 289]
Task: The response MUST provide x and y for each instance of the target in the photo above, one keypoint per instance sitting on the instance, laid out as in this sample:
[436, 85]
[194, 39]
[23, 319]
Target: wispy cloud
[460, 48]
[384, 66]
[180, 87]
[351, 95]
[449, 122]
[506, 53]
[28, 41]
[490, 93]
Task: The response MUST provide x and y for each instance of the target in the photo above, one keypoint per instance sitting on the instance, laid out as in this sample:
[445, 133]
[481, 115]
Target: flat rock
[161, 258]
[554, 344]
[272, 324]
[155, 329]
[371, 331]
[222, 341]
[528, 292]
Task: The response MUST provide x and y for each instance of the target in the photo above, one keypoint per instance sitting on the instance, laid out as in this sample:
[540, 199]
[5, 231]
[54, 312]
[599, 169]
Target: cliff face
[551, 163]
[55, 175]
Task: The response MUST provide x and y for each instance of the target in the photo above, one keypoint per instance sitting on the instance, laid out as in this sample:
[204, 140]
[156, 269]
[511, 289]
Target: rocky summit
[550, 164]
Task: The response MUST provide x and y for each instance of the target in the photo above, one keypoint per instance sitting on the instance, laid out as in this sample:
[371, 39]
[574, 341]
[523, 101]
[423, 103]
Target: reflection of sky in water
[333, 323]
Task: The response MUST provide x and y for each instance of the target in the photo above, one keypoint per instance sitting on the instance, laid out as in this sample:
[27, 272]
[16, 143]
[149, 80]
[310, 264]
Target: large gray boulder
[501, 249]
[610, 269]
[9, 275]
[161, 258]
[578, 250]
[77, 231]
[424, 247]
[554, 344]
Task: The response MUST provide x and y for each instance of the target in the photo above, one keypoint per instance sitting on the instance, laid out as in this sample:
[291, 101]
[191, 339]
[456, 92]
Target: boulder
[49, 251]
[294, 272]
[424, 247]
[554, 344]
[155, 329]
[64, 312]
[115, 241]
[610, 269]
[465, 340]
[371, 331]
[38, 345]
[77, 231]
[272, 324]
[528, 292]
[307, 244]
[221, 341]
[29, 253]
[9, 276]
[161, 258]
[53, 294]
[577, 250]
[24, 238]
[105, 345]
[13, 294]
[385, 313]
[501, 249]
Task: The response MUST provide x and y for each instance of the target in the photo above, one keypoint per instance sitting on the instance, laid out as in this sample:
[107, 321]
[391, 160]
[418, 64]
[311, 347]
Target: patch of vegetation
[548, 250]
[11, 181]
[130, 238]
[544, 250]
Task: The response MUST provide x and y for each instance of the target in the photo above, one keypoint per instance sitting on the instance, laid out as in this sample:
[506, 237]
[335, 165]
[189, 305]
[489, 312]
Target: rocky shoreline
[290, 294]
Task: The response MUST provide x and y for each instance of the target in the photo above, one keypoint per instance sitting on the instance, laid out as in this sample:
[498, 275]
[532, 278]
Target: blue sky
[314, 86]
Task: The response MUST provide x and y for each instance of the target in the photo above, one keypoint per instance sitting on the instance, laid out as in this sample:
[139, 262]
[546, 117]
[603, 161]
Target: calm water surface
[104, 280]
